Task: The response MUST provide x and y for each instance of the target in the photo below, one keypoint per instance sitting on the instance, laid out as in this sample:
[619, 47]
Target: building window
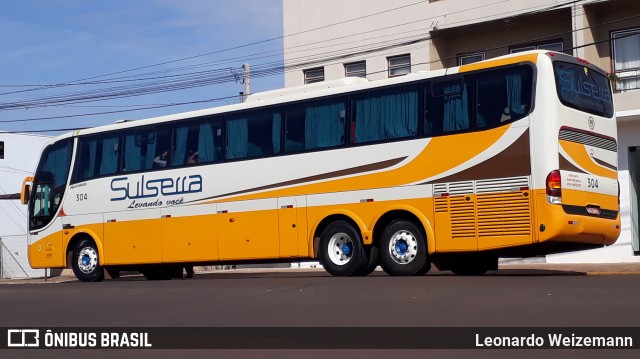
[314, 75]
[1, 150]
[556, 46]
[626, 58]
[356, 69]
[399, 65]
[470, 58]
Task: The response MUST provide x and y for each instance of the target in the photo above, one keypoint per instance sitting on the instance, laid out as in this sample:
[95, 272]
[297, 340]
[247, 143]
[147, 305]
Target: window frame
[391, 69]
[313, 79]
[470, 55]
[623, 74]
[358, 73]
[1, 150]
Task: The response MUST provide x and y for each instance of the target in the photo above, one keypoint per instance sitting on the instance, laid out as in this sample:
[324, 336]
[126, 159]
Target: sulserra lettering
[125, 189]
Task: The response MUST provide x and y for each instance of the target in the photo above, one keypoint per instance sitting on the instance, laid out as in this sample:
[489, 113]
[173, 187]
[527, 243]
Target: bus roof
[320, 89]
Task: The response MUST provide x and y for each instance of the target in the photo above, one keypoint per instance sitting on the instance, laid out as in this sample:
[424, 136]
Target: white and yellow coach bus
[514, 156]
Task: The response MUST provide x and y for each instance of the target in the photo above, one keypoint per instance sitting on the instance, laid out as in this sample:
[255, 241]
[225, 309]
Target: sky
[54, 52]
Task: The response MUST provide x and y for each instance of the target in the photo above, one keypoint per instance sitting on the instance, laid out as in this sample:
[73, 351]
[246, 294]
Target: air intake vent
[502, 185]
[463, 223]
[504, 214]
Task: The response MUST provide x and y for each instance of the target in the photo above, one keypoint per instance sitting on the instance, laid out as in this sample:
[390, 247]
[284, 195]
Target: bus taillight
[554, 187]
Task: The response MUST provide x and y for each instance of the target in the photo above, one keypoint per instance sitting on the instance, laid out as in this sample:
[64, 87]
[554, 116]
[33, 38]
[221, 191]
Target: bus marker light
[366, 200]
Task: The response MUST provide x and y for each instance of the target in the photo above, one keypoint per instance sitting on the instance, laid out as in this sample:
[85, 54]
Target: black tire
[372, 254]
[403, 249]
[85, 262]
[341, 250]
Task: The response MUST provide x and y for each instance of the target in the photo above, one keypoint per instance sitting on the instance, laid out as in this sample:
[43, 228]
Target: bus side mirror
[25, 194]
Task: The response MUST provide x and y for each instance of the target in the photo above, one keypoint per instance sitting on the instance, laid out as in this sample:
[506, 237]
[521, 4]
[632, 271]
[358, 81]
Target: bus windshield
[49, 183]
[583, 88]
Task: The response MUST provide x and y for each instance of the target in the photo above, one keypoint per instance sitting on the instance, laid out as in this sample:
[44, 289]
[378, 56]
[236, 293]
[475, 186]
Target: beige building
[376, 39]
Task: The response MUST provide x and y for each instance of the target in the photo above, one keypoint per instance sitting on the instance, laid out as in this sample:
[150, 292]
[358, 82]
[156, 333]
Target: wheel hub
[87, 260]
[340, 248]
[403, 247]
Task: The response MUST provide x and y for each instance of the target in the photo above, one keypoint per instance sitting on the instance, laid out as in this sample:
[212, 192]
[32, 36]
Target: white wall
[20, 159]
[350, 37]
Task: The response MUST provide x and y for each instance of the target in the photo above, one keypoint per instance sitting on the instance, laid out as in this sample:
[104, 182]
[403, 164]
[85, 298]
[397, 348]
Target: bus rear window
[583, 88]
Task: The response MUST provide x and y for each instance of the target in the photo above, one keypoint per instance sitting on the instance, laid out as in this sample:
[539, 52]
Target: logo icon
[592, 123]
[23, 338]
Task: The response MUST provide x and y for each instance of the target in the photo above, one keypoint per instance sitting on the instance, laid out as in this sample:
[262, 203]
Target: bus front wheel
[85, 262]
[403, 249]
[341, 250]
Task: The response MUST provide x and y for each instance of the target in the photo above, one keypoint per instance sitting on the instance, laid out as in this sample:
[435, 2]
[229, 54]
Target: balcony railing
[625, 80]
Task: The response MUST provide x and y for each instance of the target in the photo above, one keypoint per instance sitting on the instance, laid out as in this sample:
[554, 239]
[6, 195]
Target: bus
[512, 156]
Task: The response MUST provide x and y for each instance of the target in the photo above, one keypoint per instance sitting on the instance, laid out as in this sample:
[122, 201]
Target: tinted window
[503, 95]
[145, 148]
[385, 115]
[447, 107]
[253, 134]
[315, 125]
[197, 142]
[96, 156]
[584, 89]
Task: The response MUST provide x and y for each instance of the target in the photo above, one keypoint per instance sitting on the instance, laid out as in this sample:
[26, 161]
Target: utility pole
[246, 79]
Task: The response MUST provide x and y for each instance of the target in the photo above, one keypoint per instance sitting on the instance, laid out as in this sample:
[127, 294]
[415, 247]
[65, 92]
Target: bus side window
[491, 99]
[447, 107]
[503, 95]
[253, 134]
[315, 125]
[97, 156]
[386, 115]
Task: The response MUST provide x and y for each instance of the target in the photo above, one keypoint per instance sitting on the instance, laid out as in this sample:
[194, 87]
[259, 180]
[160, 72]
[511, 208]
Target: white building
[19, 155]
[327, 40]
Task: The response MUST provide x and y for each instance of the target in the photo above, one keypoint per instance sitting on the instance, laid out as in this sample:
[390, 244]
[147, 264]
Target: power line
[201, 79]
[265, 72]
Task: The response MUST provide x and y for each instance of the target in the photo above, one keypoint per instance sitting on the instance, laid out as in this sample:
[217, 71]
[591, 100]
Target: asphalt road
[516, 298]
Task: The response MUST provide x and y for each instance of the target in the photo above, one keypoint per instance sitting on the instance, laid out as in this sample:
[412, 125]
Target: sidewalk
[533, 269]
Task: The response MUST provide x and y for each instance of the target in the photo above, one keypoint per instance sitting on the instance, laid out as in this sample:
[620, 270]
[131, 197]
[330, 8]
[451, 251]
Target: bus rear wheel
[341, 251]
[85, 262]
[403, 249]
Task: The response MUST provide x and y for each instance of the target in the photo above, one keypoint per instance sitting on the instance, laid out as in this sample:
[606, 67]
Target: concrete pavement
[533, 269]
